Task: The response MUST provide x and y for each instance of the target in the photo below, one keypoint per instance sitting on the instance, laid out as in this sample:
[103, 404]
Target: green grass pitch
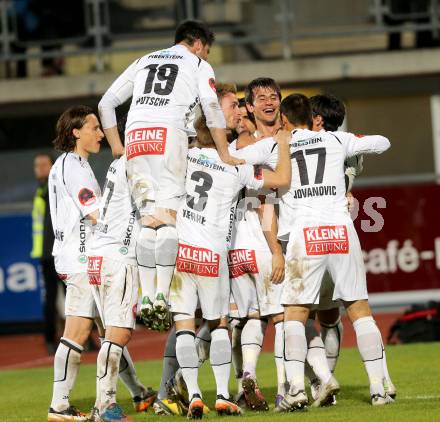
[415, 369]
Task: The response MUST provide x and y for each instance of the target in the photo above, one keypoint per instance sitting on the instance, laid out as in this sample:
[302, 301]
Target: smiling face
[245, 124]
[89, 136]
[266, 105]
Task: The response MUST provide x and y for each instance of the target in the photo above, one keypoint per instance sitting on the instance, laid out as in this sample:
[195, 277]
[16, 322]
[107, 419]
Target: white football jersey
[74, 193]
[247, 231]
[206, 217]
[318, 184]
[118, 225]
[166, 86]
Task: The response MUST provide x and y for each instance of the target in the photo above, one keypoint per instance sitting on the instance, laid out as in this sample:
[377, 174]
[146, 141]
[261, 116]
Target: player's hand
[283, 137]
[118, 152]
[229, 159]
[277, 275]
[350, 201]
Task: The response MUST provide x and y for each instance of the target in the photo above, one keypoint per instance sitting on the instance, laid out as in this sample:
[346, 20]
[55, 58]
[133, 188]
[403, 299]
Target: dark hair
[72, 118]
[45, 154]
[297, 109]
[260, 83]
[330, 108]
[242, 103]
[190, 31]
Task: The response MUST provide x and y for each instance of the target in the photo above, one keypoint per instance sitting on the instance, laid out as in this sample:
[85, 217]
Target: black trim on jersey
[62, 168]
[137, 61]
[180, 333]
[335, 137]
[200, 61]
[273, 147]
[236, 168]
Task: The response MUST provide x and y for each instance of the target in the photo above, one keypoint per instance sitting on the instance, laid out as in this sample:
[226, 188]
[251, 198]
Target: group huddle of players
[225, 213]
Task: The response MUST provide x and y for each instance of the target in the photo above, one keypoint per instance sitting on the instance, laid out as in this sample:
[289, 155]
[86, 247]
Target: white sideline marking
[427, 397]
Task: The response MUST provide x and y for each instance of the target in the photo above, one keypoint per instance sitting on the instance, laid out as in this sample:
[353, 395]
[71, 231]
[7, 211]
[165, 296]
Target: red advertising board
[399, 231]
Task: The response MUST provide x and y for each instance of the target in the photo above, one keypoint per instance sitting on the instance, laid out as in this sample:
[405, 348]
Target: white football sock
[252, 337]
[66, 366]
[279, 358]
[203, 343]
[220, 358]
[188, 360]
[128, 375]
[145, 253]
[332, 338]
[237, 355]
[169, 363]
[369, 341]
[295, 352]
[109, 358]
[316, 353]
[165, 254]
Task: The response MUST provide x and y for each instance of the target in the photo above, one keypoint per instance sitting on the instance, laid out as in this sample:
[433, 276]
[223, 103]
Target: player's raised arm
[119, 92]
[215, 119]
[358, 144]
[281, 177]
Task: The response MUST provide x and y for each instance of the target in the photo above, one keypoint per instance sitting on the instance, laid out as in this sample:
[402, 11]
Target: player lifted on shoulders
[166, 87]
[201, 267]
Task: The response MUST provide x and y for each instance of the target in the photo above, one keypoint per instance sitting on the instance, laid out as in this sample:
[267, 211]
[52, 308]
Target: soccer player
[256, 258]
[114, 278]
[74, 202]
[227, 97]
[166, 86]
[204, 223]
[328, 113]
[322, 237]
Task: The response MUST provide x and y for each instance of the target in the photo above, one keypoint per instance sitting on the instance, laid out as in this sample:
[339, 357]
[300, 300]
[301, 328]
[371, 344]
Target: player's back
[206, 217]
[318, 183]
[165, 87]
[117, 228]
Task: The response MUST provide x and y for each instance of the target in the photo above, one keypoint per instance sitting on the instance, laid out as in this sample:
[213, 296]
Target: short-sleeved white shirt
[206, 217]
[118, 226]
[74, 193]
[166, 86]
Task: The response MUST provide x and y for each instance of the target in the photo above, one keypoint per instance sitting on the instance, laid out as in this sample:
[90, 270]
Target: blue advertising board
[20, 280]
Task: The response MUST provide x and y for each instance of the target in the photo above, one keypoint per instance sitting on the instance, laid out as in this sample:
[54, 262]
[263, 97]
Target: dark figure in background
[42, 243]
[415, 11]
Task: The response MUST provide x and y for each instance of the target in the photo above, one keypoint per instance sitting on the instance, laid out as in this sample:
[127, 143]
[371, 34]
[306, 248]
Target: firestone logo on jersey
[146, 141]
[94, 270]
[242, 261]
[200, 261]
[324, 240]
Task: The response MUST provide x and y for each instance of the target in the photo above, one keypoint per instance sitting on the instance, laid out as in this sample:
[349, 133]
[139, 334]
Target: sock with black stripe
[165, 255]
[295, 352]
[109, 358]
[203, 343]
[66, 366]
[316, 353]
[188, 360]
[252, 337]
[220, 357]
[331, 335]
[169, 363]
[145, 246]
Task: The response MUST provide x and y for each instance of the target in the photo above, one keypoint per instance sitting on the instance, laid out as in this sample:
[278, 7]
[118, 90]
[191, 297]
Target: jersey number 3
[201, 190]
[165, 73]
